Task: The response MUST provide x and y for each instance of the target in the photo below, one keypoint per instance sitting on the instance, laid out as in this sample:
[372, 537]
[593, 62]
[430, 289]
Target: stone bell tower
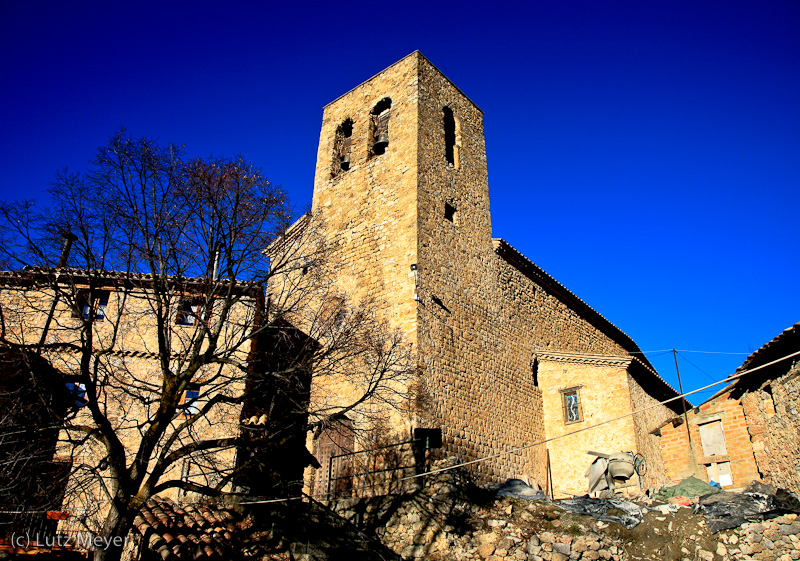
[401, 185]
[401, 163]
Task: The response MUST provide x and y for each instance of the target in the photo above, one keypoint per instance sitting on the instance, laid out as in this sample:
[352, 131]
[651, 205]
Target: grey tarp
[520, 490]
[630, 514]
[730, 510]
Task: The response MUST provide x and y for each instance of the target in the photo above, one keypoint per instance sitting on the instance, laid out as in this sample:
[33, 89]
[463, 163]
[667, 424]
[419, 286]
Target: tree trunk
[108, 546]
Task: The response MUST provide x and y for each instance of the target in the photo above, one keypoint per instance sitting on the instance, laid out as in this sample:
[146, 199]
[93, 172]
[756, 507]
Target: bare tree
[192, 324]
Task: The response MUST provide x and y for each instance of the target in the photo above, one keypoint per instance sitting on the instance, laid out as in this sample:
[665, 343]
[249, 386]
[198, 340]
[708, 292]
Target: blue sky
[646, 154]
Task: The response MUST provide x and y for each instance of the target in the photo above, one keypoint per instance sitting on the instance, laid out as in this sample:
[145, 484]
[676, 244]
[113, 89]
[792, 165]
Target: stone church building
[508, 357]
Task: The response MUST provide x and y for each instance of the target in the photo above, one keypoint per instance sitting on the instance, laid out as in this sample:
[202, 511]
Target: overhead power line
[539, 443]
[688, 351]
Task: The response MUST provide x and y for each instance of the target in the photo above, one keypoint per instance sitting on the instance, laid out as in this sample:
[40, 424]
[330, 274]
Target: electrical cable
[686, 351]
[693, 364]
[539, 443]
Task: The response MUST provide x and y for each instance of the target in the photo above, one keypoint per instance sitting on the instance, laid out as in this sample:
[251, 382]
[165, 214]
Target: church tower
[402, 162]
[401, 186]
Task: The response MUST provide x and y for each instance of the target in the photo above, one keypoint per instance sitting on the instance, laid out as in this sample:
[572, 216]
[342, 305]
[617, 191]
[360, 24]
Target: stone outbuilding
[748, 430]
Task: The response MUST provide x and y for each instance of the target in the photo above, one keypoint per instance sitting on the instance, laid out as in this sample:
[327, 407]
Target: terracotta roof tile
[195, 532]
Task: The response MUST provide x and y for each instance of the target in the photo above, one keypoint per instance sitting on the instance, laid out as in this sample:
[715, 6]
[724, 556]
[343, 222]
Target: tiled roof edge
[515, 258]
[761, 350]
[18, 275]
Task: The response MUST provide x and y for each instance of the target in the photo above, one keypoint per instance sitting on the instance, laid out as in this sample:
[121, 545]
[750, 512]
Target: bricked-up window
[92, 304]
[450, 212]
[571, 404]
[379, 126]
[332, 312]
[341, 147]
[452, 137]
[192, 312]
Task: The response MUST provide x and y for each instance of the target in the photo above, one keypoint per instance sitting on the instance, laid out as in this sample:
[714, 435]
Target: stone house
[748, 430]
[45, 313]
[507, 356]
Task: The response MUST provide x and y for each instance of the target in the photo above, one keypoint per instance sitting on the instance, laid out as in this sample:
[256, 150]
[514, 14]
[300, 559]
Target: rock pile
[510, 543]
[447, 518]
[770, 540]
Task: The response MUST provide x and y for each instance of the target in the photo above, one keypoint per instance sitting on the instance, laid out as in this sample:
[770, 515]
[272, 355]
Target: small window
[379, 127]
[192, 312]
[92, 304]
[449, 212]
[78, 393]
[571, 403]
[535, 372]
[189, 401]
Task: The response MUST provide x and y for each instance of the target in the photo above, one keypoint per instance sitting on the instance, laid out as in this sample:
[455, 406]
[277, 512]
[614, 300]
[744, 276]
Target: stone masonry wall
[367, 214]
[476, 320]
[478, 378]
[129, 335]
[536, 321]
[369, 211]
[773, 422]
[542, 321]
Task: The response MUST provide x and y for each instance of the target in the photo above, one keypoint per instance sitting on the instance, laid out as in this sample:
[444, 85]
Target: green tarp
[689, 487]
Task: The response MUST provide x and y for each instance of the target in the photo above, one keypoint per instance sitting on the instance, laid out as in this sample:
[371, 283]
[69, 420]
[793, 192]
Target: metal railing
[331, 491]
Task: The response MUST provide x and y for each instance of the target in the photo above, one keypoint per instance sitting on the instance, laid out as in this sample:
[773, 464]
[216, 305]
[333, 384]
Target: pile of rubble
[447, 518]
[507, 540]
[777, 539]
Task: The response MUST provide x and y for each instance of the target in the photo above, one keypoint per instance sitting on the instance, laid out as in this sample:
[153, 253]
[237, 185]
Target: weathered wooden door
[331, 449]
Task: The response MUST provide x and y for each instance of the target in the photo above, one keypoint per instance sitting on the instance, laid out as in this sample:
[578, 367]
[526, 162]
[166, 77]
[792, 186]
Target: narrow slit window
[379, 126]
[452, 137]
[342, 147]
